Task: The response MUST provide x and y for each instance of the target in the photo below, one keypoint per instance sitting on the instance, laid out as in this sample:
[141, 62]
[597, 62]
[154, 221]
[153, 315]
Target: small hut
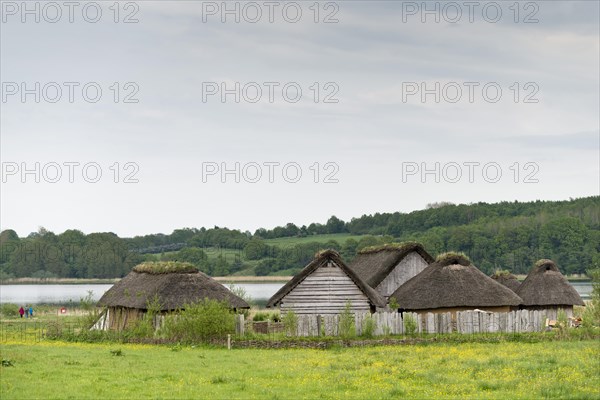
[385, 268]
[507, 279]
[171, 284]
[545, 288]
[325, 286]
[452, 283]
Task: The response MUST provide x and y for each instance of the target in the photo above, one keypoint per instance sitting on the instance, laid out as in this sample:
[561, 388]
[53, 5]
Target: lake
[59, 294]
[63, 294]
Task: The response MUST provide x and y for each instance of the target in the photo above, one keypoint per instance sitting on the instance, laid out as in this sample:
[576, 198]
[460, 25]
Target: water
[63, 294]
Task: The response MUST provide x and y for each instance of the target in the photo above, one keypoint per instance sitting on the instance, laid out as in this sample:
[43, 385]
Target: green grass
[512, 370]
[290, 241]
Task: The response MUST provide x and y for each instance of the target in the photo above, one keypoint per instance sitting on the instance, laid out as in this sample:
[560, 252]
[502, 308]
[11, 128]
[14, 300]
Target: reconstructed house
[325, 286]
[385, 268]
[507, 279]
[172, 285]
[545, 288]
[453, 284]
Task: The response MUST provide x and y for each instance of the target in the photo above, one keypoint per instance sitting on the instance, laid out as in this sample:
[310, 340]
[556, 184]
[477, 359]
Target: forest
[506, 235]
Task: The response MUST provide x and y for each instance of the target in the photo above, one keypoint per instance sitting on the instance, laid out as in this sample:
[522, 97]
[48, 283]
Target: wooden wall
[410, 266]
[325, 291]
[122, 318]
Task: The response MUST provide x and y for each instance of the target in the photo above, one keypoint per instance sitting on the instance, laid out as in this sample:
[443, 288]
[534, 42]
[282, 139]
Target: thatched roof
[545, 286]
[320, 259]
[174, 289]
[453, 281]
[373, 264]
[507, 279]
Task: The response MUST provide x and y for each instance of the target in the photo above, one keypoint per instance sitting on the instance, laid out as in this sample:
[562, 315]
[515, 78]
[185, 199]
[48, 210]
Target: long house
[325, 286]
[386, 268]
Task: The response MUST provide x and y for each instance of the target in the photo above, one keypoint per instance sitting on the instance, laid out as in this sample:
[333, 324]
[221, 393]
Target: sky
[148, 116]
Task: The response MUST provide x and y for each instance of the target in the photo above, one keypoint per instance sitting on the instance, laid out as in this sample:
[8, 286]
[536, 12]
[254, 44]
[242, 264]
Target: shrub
[347, 327]
[205, 320]
[410, 324]
[146, 327]
[394, 306]
[9, 310]
[266, 316]
[88, 305]
[368, 329]
[290, 323]
[241, 293]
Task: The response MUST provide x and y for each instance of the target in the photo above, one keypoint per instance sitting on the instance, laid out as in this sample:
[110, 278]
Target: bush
[347, 327]
[266, 316]
[368, 329]
[290, 323]
[410, 324]
[208, 319]
[9, 310]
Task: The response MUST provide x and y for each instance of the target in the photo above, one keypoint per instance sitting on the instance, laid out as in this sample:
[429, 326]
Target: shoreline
[82, 281]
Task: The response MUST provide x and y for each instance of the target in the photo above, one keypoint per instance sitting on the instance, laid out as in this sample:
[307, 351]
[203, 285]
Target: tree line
[506, 235]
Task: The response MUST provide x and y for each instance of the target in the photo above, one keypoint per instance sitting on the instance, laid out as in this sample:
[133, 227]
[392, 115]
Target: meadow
[55, 369]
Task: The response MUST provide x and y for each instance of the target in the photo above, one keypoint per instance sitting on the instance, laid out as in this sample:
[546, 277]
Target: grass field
[505, 370]
[290, 241]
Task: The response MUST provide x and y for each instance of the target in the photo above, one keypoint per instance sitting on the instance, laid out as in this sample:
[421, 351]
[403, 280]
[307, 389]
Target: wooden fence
[385, 323]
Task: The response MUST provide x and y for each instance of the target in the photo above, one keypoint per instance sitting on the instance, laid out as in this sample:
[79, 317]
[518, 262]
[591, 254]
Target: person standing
[31, 311]
[21, 311]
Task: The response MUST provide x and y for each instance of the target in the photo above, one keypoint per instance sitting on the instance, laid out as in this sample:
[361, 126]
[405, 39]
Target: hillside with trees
[506, 235]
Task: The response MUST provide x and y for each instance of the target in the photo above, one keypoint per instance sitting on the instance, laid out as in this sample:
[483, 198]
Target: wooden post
[228, 341]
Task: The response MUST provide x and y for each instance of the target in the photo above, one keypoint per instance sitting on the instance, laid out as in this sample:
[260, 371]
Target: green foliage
[410, 325]
[241, 293]
[203, 321]
[506, 235]
[266, 316]
[7, 363]
[8, 310]
[368, 328]
[562, 323]
[117, 353]
[347, 327]
[393, 305]
[290, 323]
[591, 316]
[164, 267]
[146, 326]
[91, 312]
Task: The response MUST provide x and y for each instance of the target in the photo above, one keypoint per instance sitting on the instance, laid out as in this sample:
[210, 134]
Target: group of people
[28, 311]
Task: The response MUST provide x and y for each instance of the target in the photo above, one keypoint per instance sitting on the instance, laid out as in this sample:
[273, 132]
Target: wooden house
[452, 283]
[172, 284]
[385, 268]
[325, 286]
[545, 288]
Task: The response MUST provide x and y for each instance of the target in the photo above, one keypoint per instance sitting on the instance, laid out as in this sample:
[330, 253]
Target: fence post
[239, 324]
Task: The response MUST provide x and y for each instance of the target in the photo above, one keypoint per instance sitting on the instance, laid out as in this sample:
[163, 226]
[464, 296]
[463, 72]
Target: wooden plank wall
[410, 266]
[325, 291]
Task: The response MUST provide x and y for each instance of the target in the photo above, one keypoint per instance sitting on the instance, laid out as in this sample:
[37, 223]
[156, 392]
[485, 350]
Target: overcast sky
[493, 89]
